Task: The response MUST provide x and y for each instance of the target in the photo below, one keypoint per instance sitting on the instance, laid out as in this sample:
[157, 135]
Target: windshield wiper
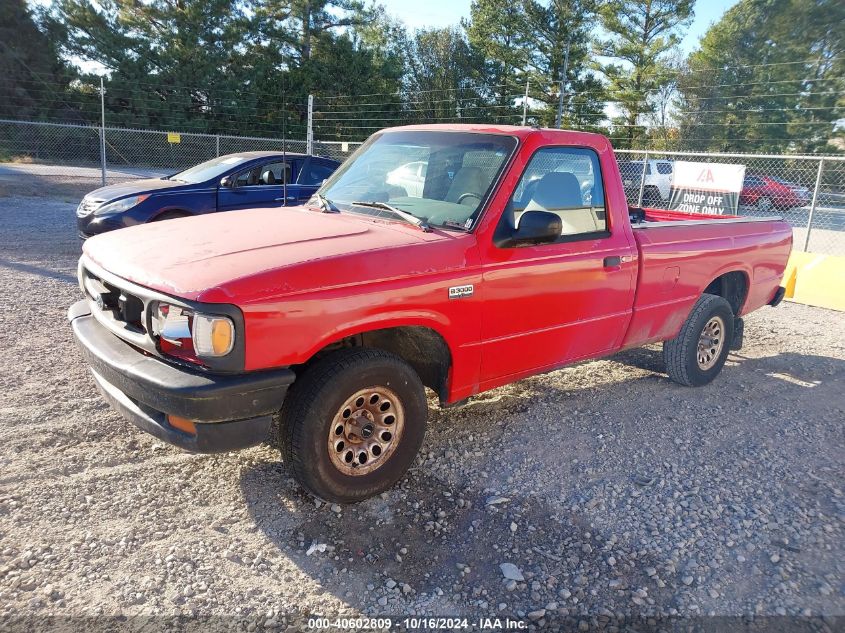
[453, 224]
[326, 205]
[408, 217]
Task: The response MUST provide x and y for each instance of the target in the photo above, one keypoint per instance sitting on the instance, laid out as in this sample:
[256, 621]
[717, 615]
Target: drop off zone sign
[710, 188]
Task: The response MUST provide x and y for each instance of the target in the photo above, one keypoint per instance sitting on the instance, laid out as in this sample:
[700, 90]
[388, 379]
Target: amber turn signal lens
[221, 336]
[182, 424]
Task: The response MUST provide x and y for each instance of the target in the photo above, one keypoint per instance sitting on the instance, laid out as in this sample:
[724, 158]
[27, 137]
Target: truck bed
[644, 218]
[670, 248]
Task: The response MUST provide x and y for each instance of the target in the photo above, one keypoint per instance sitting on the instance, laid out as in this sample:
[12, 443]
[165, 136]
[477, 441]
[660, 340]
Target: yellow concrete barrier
[817, 280]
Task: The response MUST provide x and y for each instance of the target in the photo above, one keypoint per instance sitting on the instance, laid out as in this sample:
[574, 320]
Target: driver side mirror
[226, 181]
[536, 227]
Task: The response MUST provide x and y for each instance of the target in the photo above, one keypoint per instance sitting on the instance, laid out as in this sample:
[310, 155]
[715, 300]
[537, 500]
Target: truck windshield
[213, 168]
[442, 178]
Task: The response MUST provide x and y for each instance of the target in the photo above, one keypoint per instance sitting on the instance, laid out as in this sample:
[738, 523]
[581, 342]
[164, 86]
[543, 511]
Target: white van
[658, 180]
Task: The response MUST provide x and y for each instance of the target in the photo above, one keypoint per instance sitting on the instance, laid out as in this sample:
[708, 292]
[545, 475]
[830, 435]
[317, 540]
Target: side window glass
[317, 173]
[565, 181]
[664, 168]
[246, 178]
[275, 174]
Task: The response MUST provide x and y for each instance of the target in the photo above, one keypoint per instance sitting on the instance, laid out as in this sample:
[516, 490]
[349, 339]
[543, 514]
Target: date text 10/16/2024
[416, 624]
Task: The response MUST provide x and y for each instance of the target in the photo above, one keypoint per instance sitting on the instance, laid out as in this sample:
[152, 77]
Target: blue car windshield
[213, 168]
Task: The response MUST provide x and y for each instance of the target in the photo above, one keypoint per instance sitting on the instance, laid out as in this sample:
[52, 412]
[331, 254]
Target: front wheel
[352, 424]
[170, 215]
[697, 354]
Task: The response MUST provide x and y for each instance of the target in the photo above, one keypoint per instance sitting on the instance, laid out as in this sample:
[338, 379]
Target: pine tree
[33, 80]
[767, 77]
[497, 30]
[550, 26]
[642, 32]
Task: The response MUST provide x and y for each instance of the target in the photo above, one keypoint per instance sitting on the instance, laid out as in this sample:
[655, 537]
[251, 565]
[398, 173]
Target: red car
[518, 254]
[767, 193]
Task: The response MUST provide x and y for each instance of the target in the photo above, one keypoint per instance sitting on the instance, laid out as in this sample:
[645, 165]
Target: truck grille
[120, 310]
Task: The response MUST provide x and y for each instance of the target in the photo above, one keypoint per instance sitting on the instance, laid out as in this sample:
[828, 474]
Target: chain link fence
[806, 191]
[73, 153]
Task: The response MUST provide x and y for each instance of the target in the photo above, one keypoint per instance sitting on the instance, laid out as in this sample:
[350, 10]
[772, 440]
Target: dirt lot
[612, 491]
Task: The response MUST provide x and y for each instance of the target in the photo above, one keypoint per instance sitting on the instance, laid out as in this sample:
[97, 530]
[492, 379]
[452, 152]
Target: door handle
[615, 261]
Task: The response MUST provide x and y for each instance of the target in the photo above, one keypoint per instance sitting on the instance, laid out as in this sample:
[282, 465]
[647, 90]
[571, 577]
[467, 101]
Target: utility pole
[525, 103]
[559, 123]
[103, 130]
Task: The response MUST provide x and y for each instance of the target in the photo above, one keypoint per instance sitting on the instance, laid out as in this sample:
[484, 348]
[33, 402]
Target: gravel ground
[584, 495]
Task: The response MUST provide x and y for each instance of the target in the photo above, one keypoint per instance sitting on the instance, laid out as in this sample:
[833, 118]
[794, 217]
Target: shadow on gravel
[641, 358]
[410, 545]
[38, 270]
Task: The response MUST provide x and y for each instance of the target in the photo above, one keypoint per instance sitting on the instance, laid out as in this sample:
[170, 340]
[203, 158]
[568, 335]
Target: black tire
[681, 353]
[317, 397]
[170, 215]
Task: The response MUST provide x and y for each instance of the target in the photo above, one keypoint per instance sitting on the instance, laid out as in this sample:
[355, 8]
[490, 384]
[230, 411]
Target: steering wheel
[468, 194]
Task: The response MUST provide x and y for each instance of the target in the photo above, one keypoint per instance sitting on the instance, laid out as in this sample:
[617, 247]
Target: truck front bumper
[229, 412]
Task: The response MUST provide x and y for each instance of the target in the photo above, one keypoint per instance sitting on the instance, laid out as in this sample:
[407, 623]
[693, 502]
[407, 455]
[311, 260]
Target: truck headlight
[213, 335]
[120, 206]
[191, 335]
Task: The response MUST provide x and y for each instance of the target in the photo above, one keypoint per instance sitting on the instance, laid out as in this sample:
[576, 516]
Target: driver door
[554, 303]
[260, 186]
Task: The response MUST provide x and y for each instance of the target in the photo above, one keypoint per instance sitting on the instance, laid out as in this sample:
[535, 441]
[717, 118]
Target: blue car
[236, 181]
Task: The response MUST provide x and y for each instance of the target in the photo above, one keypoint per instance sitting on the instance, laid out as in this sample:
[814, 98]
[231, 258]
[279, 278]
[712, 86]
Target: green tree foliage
[223, 65]
[158, 77]
[33, 80]
[498, 31]
[641, 33]
[443, 76]
[549, 26]
[769, 76]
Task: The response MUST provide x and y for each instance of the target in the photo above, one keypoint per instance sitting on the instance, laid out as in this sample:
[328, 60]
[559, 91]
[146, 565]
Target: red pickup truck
[513, 252]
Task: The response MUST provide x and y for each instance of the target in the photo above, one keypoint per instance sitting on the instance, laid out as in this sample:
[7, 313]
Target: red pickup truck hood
[202, 258]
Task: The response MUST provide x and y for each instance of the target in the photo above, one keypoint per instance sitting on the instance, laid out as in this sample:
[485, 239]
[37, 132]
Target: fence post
[217, 144]
[309, 134]
[813, 204]
[525, 103]
[642, 180]
[103, 131]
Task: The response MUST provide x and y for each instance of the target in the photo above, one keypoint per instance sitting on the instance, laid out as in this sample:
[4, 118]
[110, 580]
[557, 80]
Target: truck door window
[565, 181]
[664, 168]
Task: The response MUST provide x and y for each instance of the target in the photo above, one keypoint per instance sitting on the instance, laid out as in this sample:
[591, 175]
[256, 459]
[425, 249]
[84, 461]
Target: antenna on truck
[284, 148]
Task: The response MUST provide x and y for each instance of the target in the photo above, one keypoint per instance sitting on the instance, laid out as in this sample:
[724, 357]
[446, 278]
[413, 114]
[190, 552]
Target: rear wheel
[696, 356]
[352, 424]
[764, 204]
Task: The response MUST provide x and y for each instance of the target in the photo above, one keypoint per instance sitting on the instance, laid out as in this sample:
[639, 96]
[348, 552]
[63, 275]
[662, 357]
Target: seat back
[468, 180]
[559, 192]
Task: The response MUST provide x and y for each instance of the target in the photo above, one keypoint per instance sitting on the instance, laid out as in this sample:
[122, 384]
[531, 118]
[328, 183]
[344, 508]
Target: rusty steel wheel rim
[366, 431]
[710, 343]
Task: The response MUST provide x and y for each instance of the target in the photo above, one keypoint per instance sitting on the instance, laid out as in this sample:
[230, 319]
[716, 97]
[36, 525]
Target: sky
[440, 13]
